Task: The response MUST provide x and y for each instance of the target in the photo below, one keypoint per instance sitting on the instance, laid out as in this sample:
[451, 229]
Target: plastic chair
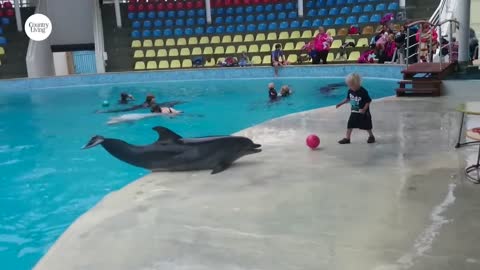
[283, 36]
[292, 15]
[248, 38]
[170, 42]
[251, 28]
[181, 13]
[230, 50]
[199, 31]
[240, 28]
[283, 26]
[269, 8]
[168, 23]
[204, 40]
[312, 13]
[146, 33]
[239, 19]
[333, 12]
[260, 18]
[178, 32]
[136, 25]
[328, 22]
[201, 21]
[367, 30]
[141, 15]
[265, 48]
[175, 64]
[239, 10]
[196, 51]
[229, 20]
[250, 18]
[351, 20]
[262, 27]
[181, 42]
[345, 10]
[357, 9]
[294, 25]
[363, 19]
[256, 60]
[151, 15]
[341, 2]
[368, 8]
[226, 39]
[230, 29]
[192, 41]
[163, 64]
[299, 45]
[322, 12]
[150, 54]
[210, 30]
[362, 42]
[289, 6]
[229, 11]
[309, 4]
[168, 32]
[281, 16]
[147, 43]
[157, 23]
[260, 37]
[272, 36]
[292, 58]
[331, 2]
[380, 7]
[278, 7]
[136, 44]
[339, 21]
[289, 46]
[147, 24]
[317, 23]
[252, 49]
[270, 17]
[171, 14]
[249, 9]
[295, 35]
[219, 50]
[375, 18]
[220, 11]
[187, 63]
[139, 65]
[220, 29]
[131, 15]
[267, 60]
[138, 54]
[307, 34]
[201, 12]
[161, 14]
[273, 26]
[151, 65]
[237, 39]
[185, 52]
[173, 52]
[354, 56]
[215, 40]
[393, 6]
[259, 9]
[159, 43]
[191, 13]
[351, 2]
[179, 22]
[306, 24]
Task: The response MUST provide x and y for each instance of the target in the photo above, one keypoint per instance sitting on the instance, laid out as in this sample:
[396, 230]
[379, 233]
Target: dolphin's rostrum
[171, 152]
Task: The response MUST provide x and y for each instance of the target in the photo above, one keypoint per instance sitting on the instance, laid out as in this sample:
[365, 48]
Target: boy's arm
[365, 108]
[343, 102]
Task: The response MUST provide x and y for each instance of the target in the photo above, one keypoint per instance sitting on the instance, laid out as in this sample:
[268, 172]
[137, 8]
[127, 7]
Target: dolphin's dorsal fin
[166, 135]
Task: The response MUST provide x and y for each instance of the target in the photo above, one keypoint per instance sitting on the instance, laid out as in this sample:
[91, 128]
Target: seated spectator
[400, 43]
[343, 50]
[244, 60]
[198, 61]
[353, 30]
[473, 45]
[368, 56]
[388, 51]
[228, 62]
[278, 58]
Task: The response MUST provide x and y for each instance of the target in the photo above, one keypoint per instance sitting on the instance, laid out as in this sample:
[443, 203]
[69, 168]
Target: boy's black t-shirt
[358, 99]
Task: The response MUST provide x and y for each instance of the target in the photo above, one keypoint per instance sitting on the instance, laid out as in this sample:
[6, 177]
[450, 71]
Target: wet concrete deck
[402, 203]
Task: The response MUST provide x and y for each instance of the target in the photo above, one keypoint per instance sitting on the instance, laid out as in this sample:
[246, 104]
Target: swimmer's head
[150, 99]
[285, 88]
[271, 85]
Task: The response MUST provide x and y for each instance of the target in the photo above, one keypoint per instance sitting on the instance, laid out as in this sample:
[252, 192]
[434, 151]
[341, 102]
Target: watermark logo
[38, 27]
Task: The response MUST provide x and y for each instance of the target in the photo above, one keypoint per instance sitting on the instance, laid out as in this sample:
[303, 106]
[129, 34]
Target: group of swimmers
[163, 108]
[285, 91]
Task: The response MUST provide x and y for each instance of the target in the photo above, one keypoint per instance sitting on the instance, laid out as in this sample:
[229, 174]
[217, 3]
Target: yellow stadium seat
[2, 51]
[315, 33]
[342, 32]
[186, 63]
[226, 39]
[307, 34]
[138, 54]
[181, 42]
[139, 65]
[197, 51]
[348, 40]
[241, 48]
[299, 45]
[362, 42]
[147, 43]
[367, 30]
[260, 37]
[219, 50]
[185, 52]
[210, 63]
[159, 43]
[292, 58]
[150, 53]
[248, 38]
[173, 52]
[330, 57]
[163, 64]
[283, 35]
[332, 32]
[256, 60]
[354, 56]
[192, 41]
[265, 48]
[295, 34]
[336, 44]
[152, 65]
[267, 60]
[253, 48]
[175, 64]
[215, 40]
[170, 42]
[204, 40]
[221, 59]
[237, 39]
[162, 53]
[288, 46]
[207, 50]
[136, 44]
[272, 36]
[230, 50]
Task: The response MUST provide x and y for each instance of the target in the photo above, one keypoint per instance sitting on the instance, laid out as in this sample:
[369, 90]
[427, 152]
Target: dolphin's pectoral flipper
[220, 167]
[166, 135]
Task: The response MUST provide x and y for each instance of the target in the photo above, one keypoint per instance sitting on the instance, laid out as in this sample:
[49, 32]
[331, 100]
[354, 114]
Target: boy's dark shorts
[360, 121]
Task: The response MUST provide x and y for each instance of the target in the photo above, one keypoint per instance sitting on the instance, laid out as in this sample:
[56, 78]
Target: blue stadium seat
[230, 29]
[219, 20]
[340, 2]
[151, 15]
[167, 32]
[168, 23]
[283, 25]
[240, 28]
[328, 22]
[269, 8]
[306, 24]
[181, 13]
[1, 31]
[179, 22]
[249, 9]
[270, 17]
[317, 23]
[190, 13]
[239, 19]
[281, 16]
[262, 27]
[375, 18]
[210, 30]
[380, 7]
[135, 34]
[352, 20]
[331, 2]
[372, 0]
[201, 12]
[188, 31]
[294, 25]
[157, 33]
[136, 25]
[251, 28]
[393, 6]
[220, 29]
[357, 9]
[320, 3]
[272, 26]
[309, 4]
[190, 22]
[229, 11]
[259, 9]
[345, 11]
[362, 1]
[161, 14]
[147, 24]
[289, 6]
[292, 15]
[363, 19]
[351, 2]
[171, 14]
[239, 10]
[260, 18]
[312, 13]
[229, 20]
[278, 7]
[146, 33]
[333, 12]
[201, 21]
[141, 15]
[250, 18]
[132, 15]
[220, 11]
[157, 23]
[322, 12]
[199, 31]
[339, 21]
[368, 8]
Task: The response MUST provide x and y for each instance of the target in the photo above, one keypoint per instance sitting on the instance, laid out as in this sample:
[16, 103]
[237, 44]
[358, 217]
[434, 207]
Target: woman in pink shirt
[322, 43]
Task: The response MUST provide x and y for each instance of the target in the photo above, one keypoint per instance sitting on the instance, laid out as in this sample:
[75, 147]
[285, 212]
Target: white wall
[72, 21]
[61, 64]
[475, 16]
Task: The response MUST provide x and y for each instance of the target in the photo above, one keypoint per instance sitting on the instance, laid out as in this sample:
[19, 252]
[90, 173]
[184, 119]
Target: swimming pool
[47, 181]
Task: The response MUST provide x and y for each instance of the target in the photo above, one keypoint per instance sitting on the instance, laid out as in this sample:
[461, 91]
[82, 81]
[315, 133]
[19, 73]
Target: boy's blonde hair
[354, 78]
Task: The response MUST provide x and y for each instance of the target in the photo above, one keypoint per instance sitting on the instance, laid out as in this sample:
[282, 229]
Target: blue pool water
[46, 181]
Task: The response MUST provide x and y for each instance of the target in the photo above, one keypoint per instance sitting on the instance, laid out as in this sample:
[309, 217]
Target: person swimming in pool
[125, 98]
[272, 93]
[164, 110]
[285, 91]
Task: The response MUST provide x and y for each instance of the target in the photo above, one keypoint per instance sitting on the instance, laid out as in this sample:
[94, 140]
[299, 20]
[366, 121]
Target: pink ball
[313, 141]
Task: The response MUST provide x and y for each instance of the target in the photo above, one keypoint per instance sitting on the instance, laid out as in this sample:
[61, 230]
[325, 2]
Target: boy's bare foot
[371, 139]
[344, 141]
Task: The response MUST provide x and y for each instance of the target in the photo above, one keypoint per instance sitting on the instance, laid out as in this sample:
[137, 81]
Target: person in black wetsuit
[125, 98]
[164, 110]
[272, 93]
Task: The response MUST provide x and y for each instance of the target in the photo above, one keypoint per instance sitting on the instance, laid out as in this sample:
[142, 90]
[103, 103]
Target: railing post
[463, 37]
[208, 11]
[118, 15]
[407, 48]
[18, 15]
[300, 8]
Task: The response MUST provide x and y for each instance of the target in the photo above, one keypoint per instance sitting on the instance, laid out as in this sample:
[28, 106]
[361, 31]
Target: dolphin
[142, 106]
[171, 152]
